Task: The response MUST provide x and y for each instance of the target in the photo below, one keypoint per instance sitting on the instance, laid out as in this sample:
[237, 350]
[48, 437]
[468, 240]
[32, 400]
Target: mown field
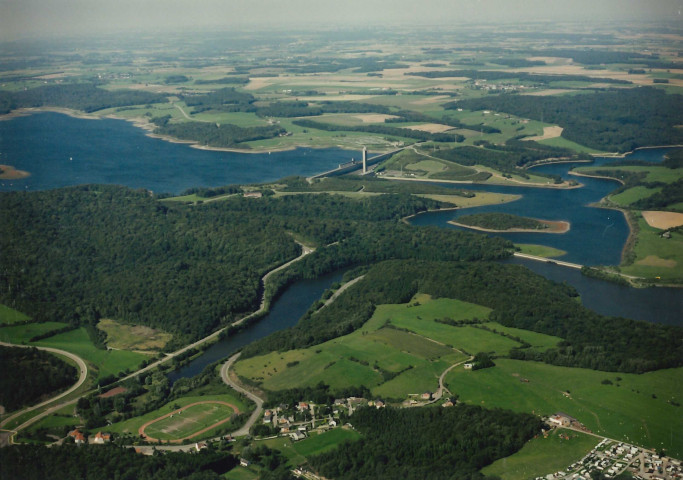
[656, 256]
[639, 409]
[543, 455]
[103, 362]
[392, 362]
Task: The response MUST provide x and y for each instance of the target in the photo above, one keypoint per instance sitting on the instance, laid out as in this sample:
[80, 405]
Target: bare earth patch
[547, 93]
[8, 172]
[663, 220]
[430, 100]
[374, 117]
[431, 127]
[655, 261]
[548, 132]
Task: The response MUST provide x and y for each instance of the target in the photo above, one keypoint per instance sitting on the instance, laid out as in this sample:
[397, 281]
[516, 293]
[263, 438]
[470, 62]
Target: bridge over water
[354, 165]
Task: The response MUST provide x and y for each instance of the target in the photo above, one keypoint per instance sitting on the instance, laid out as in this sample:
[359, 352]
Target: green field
[418, 351]
[657, 256]
[104, 362]
[132, 425]
[653, 173]
[317, 444]
[9, 315]
[133, 337]
[543, 455]
[634, 194]
[23, 333]
[564, 143]
[633, 408]
[540, 250]
[189, 421]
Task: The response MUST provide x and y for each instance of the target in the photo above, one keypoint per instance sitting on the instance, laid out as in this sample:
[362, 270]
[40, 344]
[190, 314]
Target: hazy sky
[29, 18]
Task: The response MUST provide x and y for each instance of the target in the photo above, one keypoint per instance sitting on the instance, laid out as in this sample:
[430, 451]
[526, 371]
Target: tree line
[519, 299]
[614, 120]
[87, 97]
[47, 373]
[430, 443]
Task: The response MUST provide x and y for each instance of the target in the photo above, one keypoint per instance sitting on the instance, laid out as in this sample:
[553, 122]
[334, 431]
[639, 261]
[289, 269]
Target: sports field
[189, 421]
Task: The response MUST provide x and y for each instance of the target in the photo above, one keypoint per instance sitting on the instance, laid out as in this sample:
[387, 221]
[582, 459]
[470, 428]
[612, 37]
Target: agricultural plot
[391, 362]
[639, 409]
[189, 421]
[634, 194]
[543, 455]
[656, 256]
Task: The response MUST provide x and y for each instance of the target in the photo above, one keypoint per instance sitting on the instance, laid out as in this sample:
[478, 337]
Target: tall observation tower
[365, 160]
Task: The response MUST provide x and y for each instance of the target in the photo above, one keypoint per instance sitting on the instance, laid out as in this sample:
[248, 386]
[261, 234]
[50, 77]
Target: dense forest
[30, 462]
[620, 120]
[214, 135]
[79, 96]
[82, 253]
[382, 130]
[47, 372]
[501, 221]
[427, 443]
[520, 299]
[509, 157]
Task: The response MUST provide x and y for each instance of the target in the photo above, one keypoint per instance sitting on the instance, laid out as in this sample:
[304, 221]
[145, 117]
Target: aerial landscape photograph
[326, 240]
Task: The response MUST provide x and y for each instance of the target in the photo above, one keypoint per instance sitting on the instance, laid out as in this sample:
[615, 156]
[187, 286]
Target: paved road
[83, 375]
[225, 375]
[341, 290]
[304, 251]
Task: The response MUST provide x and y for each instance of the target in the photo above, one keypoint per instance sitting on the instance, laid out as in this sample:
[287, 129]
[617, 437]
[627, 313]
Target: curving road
[81, 379]
[225, 375]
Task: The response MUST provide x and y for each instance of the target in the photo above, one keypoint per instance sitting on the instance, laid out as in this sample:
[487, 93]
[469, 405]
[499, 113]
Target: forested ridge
[519, 298]
[31, 462]
[47, 372]
[501, 221]
[620, 120]
[87, 97]
[430, 443]
[82, 253]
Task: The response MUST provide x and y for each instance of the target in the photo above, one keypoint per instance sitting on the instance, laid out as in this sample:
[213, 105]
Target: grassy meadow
[133, 337]
[543, 455]
[638, 409]
[540, 250]
[414, 353]
[103, 362]
[8, 315]
[656, 256]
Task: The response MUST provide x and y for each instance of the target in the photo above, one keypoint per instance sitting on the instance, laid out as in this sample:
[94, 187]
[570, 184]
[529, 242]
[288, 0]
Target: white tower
[365, 159]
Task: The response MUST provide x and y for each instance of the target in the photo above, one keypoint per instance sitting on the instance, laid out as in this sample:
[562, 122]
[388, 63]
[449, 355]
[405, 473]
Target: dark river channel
[60, 151]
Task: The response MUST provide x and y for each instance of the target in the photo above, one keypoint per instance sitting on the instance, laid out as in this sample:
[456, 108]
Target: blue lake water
[61, 151]
[597, 235]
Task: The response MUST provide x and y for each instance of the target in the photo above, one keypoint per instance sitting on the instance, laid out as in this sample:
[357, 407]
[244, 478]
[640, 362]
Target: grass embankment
[540, 250]
[8, 315]
[639, 409]
[392, 362]
[505, 222]
[543, 455]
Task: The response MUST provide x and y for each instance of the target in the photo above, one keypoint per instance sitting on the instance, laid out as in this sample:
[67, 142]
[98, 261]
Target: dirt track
[141, 430]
